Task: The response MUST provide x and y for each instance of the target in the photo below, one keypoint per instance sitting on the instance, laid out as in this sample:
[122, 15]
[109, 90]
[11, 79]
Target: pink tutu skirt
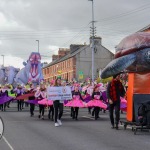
[46, 102]
[76, 103]
[96, 103]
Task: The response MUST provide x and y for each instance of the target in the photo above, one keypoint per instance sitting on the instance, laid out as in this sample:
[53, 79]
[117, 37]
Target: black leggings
[51, 110]
[41, 109]
[19, 105]
[74, 112]
[3, 107]
[97, 110]
[32, 107]
[58, 107]
[116, 106]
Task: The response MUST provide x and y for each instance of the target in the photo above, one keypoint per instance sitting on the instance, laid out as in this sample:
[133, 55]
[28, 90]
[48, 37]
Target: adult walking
[115, 90]
[58, 106]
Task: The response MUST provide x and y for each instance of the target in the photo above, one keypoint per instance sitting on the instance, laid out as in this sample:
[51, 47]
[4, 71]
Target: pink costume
[76, 102]
[96, 102]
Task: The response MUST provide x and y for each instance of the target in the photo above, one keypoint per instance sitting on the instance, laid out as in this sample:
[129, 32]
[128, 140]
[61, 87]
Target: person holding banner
[58, 106]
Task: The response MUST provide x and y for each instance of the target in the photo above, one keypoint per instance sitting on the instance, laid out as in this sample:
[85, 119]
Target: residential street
[25, 133]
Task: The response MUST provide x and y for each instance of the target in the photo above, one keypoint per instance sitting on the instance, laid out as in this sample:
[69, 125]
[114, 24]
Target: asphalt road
[23, 132]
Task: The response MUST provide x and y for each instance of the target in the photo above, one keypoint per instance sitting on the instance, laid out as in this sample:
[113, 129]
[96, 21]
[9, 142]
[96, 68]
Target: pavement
[23, 132]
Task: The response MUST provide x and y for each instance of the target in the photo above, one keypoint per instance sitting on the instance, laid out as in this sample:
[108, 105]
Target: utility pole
[38, 46]
[3, 59]
[93, 36]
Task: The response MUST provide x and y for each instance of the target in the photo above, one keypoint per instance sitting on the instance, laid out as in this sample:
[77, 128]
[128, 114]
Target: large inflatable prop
[32, 72]
[132, 55]
[7, 74]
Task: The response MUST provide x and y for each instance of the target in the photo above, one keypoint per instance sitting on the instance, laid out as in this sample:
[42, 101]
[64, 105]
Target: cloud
[63, 22]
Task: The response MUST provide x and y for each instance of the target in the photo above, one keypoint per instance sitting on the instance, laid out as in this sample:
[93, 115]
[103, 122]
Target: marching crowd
[95, 97]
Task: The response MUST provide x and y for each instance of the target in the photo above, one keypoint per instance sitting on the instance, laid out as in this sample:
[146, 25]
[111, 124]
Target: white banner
[59, 93]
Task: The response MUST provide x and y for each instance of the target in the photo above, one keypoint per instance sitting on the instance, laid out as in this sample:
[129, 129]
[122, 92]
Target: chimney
[54, 57]
[63, 51]
[74, 47]
[97, 40]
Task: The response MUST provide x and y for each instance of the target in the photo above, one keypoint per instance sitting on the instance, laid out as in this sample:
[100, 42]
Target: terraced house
[76, 62]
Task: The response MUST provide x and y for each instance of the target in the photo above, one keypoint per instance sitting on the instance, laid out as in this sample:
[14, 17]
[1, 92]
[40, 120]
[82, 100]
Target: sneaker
[59, 122]
[56, 124]
[117, 128]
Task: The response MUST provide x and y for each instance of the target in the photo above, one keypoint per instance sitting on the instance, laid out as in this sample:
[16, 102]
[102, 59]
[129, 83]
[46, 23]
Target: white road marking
[128, 127]
[11, 148]
[88, 117]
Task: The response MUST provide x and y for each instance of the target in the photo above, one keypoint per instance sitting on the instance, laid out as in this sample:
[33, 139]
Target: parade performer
[76, 102]
[48, 103]
[3, 96]
[88, 93]
[41, 94]
[19, 91]
[115, 90]
[58, 106]
[96, 101]
[32, 100]
[11, 94]
[51, 108]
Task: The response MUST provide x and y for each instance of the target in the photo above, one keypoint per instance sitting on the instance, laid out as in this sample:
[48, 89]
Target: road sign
[80, 74]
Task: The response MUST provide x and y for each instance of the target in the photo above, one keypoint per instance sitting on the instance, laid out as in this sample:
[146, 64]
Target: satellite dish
[1, 127]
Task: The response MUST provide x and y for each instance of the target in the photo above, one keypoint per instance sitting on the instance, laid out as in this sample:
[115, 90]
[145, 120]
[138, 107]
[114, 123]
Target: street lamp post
[3, 59]
[93, 35]
[38, 45]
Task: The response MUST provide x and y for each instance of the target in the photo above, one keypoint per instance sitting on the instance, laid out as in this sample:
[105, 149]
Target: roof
[70, 55]
[66, 56]
[145, 28]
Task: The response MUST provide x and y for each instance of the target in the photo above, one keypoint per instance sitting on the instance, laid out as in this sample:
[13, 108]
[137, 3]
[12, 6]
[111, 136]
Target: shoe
[39, 116]
[59, 122]
[42, 118]
[112, 127]
[49, 117]
[117, 128]
[93, 113]
[56, 124]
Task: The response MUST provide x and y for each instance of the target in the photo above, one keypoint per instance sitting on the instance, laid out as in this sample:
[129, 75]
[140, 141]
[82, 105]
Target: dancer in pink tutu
[41, 94]
[45, 102]
[97, 102]
[76, 102]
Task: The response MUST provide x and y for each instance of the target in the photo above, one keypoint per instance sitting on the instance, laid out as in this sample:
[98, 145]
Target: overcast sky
[59, 23]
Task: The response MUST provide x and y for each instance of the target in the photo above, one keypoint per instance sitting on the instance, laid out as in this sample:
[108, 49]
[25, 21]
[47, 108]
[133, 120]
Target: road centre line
[9, 145]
